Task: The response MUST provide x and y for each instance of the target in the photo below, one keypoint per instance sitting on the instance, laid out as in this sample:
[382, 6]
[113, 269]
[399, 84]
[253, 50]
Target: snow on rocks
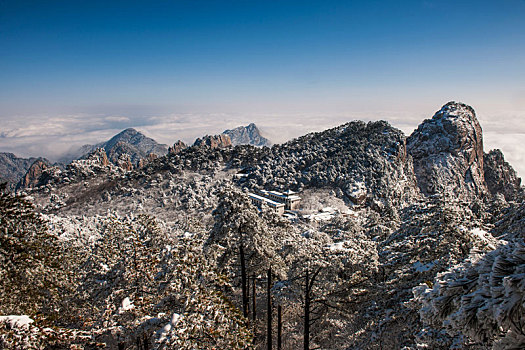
[448, 152]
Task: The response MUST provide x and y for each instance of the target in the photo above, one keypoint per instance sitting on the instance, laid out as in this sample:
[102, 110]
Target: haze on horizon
[77, 72]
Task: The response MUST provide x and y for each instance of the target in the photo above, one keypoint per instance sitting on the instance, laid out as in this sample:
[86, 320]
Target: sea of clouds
[54, 137]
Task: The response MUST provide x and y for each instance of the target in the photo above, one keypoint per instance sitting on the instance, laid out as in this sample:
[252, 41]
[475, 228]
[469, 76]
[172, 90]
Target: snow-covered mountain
[127, 149]
[247, 135]
[387, 228]
[128, 142]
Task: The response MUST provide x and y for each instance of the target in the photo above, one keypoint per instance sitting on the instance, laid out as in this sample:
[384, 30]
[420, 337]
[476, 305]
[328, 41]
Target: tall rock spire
[448, 152]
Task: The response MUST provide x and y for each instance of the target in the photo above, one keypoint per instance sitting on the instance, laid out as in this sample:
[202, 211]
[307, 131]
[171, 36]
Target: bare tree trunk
[254, 310]
[269, 309]
[307, 312]
[146, 341]
[248, 297]
[243, 282]
[279, 327]
[309, 284]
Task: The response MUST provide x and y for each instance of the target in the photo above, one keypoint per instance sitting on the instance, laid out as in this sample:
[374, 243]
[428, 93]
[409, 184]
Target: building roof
[287, 195]
[266, 200]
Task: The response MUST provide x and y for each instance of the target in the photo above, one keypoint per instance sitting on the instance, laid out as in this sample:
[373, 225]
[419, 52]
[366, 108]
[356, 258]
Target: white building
[259, 200]
[289, 198]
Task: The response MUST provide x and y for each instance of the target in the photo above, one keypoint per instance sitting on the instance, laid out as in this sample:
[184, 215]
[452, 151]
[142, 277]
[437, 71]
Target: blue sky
[138, 60]
[222, 56]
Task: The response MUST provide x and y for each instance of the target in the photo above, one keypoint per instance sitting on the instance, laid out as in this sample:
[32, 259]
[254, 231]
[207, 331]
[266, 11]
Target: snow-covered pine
[138, 277]
[244, 243]
[32, 278]
[482, 298]
[327, 272]
[130, 281]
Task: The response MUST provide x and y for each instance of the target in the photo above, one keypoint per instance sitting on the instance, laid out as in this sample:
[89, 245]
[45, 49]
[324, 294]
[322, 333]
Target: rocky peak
[448, 152]
[130, 141]
[216, 141]
[128, 135]
[177, 147]
[500, 177]
[247, 135]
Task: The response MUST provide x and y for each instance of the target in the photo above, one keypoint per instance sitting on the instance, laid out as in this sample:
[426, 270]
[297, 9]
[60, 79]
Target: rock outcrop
[33, 175]
[500, 177]
[247, 135]
[216, 141]
[97, 158]
[151, 157]
[13, 168]
[124, 162]
[448, 153]
[92, 165]
[177, 147]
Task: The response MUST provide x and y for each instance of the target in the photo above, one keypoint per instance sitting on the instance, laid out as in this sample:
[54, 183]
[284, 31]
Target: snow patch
[341, 246]
[328, 210]
[484, 236]
[127, 305]
[420, 267]
[17, 321]
[164, 332]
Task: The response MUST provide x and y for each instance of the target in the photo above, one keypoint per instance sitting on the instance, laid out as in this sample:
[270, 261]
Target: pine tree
[150, 288]
[241, 241]
[322, 276]
[32, 277]
[482, 298]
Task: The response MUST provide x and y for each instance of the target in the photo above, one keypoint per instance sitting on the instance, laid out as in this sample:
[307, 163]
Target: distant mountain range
[444, 156]
[128, 149]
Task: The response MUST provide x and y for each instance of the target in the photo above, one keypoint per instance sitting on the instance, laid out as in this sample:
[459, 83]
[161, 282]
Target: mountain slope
[367, 162]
